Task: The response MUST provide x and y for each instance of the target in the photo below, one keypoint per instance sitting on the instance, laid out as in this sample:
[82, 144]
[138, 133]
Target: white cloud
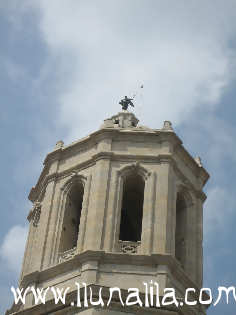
[179, 50]
[12, 248]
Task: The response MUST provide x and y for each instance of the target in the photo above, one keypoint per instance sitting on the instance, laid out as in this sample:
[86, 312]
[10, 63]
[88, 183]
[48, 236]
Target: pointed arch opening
[181, 229]
[72, 214]
[132, 208]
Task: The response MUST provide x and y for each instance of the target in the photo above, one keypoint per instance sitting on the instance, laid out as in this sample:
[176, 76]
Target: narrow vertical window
[132, 209]
[180, 231]
[71, 222]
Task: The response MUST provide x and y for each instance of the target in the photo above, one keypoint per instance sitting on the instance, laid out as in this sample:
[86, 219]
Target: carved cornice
[100, 134]
[35, 189]
[110, 258]
[166, 158]
[103, 156]
[197, 169]
[186, 183]
[54, 155]
[41, 185]
[141, 158]
[165, 264]
[92, 140]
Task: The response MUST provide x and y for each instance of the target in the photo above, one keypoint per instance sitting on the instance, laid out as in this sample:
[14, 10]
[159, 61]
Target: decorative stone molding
[124, 119]
[198, 161]
[134, 168]
[187, 184]
[110, 133]
[128, 247]
[35, 213]
[166, 158]
[73, 178]
[59, 145]
[103, 155]
[69, 254]
[161, 158]
[164, 265]
[167, 126]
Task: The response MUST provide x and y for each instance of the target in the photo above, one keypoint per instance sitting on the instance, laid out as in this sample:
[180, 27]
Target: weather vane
[125, 102]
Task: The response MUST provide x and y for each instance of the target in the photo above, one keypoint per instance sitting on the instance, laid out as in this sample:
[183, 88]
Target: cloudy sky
[64, 65]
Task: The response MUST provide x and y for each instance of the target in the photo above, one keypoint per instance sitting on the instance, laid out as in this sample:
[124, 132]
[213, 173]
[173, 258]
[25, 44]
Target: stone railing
[69, 254]
[128, 247]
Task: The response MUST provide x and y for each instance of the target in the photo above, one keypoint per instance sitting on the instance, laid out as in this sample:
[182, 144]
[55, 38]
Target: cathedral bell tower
[120, 208]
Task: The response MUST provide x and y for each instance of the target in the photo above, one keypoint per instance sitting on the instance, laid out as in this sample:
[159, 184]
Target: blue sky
[65, 64]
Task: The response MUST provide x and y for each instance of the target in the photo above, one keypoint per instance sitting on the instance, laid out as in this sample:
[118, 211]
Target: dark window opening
[180, 231]
[72, 216]
[132, 209]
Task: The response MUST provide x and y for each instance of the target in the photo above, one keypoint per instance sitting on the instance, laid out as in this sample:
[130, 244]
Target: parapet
[124, 119]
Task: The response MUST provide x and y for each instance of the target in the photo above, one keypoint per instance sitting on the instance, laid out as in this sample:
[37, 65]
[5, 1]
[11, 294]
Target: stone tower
[120, 208]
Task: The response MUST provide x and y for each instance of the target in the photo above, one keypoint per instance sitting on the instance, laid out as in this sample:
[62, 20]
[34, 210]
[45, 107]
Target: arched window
[181, 229]
[71, 222]
[132, 208]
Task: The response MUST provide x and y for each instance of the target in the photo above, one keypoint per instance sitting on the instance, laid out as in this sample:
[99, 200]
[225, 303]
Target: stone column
[84, 214]
[148, 215]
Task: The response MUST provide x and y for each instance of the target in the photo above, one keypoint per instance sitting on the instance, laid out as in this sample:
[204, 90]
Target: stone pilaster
[171, 211]
[161, 210]
[97, 205]
[28, 250]
[148, 215]
[41, 235]
[109, 223]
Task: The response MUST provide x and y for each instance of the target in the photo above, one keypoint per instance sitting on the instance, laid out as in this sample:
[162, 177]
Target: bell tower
[120, 208]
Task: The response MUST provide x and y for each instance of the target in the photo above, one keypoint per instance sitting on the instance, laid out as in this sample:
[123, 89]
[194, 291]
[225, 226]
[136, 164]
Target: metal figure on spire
[125, 102]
